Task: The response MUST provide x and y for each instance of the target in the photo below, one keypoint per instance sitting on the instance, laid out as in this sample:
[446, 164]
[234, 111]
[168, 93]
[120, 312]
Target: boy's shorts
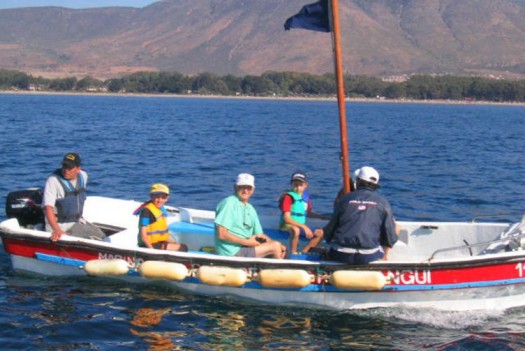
[285, 230]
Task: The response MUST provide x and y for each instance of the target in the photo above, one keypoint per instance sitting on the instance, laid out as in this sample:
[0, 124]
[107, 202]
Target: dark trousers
[354, 258]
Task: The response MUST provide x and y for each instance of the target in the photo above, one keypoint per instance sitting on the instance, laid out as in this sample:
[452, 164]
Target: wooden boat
[447, 266]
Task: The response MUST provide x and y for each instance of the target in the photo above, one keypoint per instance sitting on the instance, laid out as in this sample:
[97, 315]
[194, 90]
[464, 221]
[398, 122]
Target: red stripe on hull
[433, 276]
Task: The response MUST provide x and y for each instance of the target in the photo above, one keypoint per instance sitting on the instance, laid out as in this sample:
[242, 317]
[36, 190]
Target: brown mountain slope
[380, 37]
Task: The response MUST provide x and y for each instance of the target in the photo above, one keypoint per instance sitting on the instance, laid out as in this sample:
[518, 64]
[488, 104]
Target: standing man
[238, 231]
[64, 197]
[362, 223]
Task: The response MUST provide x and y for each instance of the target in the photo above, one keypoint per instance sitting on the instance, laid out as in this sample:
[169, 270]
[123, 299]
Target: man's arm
[51, 217]
[390, 228]
[144, 236]
[311, 214]
[224, 234]
[331, 227]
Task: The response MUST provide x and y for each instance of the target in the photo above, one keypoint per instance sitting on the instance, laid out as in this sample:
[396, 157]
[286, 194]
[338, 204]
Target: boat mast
[338, 62]
[323, 16]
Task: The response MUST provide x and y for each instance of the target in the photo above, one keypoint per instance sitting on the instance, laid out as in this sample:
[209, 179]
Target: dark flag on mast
[312, 17]
[323, 16]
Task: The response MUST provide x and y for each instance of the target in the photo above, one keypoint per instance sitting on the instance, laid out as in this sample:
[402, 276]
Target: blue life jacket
[70, 208]
[299, 208]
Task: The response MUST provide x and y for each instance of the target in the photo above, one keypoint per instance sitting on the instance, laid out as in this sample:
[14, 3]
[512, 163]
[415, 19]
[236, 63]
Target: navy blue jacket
[362, 220]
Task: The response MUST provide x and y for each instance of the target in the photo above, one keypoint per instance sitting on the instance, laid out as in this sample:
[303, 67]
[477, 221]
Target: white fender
[284, 278]
[362, 280]
[224, 276]
[109, 267]
[163, 270]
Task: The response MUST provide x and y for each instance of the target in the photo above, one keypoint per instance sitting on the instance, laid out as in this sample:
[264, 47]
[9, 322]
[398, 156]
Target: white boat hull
[443, 266]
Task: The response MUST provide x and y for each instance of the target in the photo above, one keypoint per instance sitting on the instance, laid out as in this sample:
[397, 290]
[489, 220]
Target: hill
[380, 38]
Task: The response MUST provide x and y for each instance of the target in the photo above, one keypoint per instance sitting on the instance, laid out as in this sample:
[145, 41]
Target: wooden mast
[339, 75]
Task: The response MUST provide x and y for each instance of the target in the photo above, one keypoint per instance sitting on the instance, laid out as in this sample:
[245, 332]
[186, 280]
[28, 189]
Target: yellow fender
[109, 267]
[284, 278]
[223, 276]
[361, 280]
[163, 270]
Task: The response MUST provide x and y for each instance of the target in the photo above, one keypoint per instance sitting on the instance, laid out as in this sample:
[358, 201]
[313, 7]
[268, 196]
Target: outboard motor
[26, 206]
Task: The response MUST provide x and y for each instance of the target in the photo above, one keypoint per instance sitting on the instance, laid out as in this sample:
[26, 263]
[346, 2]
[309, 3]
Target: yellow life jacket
[158, 230]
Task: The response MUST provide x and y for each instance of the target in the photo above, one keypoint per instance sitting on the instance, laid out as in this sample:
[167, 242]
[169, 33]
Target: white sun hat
[368, 174]
[245, 179]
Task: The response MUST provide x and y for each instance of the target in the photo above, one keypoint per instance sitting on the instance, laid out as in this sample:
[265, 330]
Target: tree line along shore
[279, 84]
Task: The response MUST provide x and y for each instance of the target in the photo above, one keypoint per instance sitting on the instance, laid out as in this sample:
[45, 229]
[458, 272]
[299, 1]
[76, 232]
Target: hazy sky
[75, 4]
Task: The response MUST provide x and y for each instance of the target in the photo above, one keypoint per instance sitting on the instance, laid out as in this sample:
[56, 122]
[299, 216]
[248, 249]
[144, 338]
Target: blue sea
[443, 162]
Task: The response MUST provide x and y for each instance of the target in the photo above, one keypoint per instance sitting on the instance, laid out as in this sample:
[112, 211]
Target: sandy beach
[246, 97]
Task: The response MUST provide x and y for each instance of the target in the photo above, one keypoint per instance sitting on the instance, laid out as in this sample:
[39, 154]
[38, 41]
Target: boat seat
[199, 235]
[126, 238]
[306, 256]
[205, 228]
[277, 234]
[197, 228]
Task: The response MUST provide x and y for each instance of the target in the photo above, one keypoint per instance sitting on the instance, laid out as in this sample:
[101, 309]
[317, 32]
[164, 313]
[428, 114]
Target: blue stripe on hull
[314, 287]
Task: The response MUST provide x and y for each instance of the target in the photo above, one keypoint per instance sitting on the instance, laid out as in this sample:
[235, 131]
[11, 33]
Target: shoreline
[286, 98]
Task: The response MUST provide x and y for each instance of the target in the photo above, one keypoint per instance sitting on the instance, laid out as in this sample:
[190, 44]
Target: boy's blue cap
[299, 176]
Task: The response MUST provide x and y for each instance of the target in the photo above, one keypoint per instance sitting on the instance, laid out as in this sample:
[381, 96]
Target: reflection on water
[285, 324]
[143, 321]
[217, 325]
[231, 321]
[268, 330]
[294, 330]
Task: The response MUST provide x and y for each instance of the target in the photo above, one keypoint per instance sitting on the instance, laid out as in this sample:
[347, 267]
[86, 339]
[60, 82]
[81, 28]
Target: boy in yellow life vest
[153, 226]
[295, 206]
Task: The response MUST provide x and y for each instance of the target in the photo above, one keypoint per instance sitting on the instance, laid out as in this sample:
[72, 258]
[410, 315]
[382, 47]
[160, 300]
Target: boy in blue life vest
[295, 206]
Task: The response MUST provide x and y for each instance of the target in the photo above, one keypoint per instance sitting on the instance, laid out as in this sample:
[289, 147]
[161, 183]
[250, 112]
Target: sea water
[443, 162]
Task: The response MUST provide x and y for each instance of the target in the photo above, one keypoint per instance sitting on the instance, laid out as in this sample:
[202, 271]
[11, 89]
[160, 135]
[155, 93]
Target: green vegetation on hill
[279, 84]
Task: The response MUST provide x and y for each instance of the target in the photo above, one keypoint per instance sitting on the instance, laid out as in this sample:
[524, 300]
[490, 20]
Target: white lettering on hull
[128, 259]
[409, 277]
